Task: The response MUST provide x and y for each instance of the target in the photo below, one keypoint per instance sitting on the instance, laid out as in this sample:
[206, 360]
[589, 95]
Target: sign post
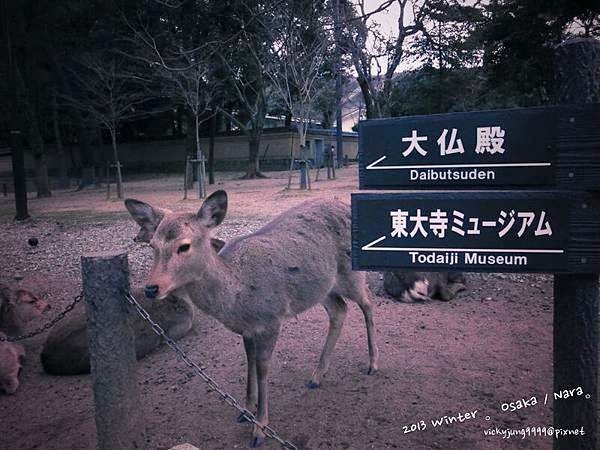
[537, 209]
[576, 295]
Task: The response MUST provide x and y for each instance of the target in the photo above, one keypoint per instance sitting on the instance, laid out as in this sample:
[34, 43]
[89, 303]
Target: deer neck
[215, 290]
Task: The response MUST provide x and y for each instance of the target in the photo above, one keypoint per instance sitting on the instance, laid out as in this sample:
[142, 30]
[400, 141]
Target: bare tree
[297, 64]
[184, 75]
[375, 55]
[109, 89]
[251, 90]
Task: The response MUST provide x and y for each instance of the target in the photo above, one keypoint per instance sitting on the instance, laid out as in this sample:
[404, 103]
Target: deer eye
[183, 248]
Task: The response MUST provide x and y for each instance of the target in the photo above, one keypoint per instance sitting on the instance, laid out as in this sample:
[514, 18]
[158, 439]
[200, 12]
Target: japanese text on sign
[438, 223]
[489, 139]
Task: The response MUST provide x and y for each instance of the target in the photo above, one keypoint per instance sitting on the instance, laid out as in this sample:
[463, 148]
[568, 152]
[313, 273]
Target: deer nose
[151, 290]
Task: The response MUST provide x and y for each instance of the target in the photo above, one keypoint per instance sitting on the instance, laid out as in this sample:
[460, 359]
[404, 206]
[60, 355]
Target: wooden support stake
[112, 352]
[107, 180]
[19, 176]
[576, 296]
[303, 175]
[185, 177]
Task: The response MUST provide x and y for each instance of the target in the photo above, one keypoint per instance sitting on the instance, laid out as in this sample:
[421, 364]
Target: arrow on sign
[375, 165]
[371, 247]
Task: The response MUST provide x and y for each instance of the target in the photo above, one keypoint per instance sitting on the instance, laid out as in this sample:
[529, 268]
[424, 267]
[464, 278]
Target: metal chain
[228, 398]
[48, 325]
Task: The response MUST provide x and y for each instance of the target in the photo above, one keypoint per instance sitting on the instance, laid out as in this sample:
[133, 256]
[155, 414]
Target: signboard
[476, 232]
[514, 148]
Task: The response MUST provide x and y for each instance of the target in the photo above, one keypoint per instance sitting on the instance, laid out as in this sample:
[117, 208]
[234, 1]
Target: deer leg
[264, 344]
[367, 308]
[251, 381]
[336, 309]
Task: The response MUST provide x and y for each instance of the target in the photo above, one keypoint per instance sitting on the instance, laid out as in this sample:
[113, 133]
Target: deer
[17, 308]
[411, 286]
[148, 218]
[66, 351]
[298, 260]
[11, 363]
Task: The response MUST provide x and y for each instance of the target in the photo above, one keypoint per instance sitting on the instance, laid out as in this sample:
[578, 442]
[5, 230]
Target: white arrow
[371, 247]
[374, 165]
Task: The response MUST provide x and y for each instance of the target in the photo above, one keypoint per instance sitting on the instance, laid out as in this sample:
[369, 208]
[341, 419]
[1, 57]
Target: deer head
[182, 246]
[148, 218]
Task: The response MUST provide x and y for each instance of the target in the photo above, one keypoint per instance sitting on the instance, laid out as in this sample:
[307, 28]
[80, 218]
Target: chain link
[228, 398]
[46, 326]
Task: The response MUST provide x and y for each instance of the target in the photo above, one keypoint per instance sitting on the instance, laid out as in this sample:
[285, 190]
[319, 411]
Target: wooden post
[107, 180]
[303, 175]
[185, 177]
[112, 352]
[576, 296]
[203, 172]
[333, 164]
[19, 176]
[119, 180]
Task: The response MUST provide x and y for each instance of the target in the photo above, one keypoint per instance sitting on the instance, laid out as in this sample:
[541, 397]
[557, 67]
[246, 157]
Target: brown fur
[420, 286]
[300, 259]
[66, 350]
[17, 308]
[11, 356]
[148, 218]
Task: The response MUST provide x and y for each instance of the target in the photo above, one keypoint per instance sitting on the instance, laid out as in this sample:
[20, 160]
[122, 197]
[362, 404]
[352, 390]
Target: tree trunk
[199, 160]
[60, 149]
[253, 148]
[189, 151]
[42, 181]
[113, 137]
[34, 138]
[211, 149]
[253, 170]
[368, 98]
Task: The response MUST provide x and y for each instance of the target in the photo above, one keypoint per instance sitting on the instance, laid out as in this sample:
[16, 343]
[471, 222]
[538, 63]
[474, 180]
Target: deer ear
[213, 209]
[143, 213]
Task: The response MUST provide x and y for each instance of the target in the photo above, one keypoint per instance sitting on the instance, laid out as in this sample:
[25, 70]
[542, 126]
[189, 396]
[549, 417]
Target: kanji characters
[419, 219]
[451, 148]
[490, 139]
[414, 144]
[438, 223]
[399, 223]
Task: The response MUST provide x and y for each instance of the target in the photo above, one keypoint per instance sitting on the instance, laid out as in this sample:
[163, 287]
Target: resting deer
[411, 286]
[300, 259]
[66, 349]
[17, 308]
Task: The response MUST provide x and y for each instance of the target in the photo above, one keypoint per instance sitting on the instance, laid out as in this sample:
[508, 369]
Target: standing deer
[148, 218]
[257, 281]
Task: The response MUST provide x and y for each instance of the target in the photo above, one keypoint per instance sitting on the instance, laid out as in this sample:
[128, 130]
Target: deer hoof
[312, 385]
[242, 418]
[371, 371]
[257, 441]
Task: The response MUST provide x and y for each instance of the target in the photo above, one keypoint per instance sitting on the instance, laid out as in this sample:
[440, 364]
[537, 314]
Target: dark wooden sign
[476, 232]
[513, 148]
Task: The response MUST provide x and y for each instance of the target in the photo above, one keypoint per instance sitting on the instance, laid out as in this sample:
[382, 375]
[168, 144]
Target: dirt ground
[489, 346]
